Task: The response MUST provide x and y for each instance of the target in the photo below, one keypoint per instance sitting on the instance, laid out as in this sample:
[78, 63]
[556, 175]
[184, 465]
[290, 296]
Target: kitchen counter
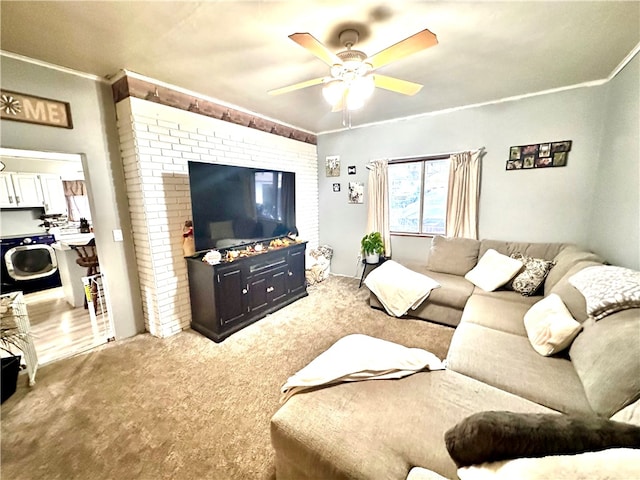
[66, 240]
[70, 272]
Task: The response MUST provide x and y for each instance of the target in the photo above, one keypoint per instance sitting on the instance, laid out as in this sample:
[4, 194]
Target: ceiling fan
[353, 74]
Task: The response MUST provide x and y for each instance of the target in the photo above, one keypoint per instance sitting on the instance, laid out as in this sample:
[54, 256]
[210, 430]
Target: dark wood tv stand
[231, 295]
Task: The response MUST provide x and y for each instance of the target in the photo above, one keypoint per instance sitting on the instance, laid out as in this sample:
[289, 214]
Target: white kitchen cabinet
[7, 194]
[27, 189]
[53, 194]
[33, 190]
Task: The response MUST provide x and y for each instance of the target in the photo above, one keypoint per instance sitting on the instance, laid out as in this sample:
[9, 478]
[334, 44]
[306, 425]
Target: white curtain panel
[378, 202]
[464, 195]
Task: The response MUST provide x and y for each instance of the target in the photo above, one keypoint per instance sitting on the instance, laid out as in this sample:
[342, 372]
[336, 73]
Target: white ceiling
[234, 51]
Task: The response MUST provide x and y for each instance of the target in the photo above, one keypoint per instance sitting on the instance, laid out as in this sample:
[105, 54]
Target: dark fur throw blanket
[493, 436]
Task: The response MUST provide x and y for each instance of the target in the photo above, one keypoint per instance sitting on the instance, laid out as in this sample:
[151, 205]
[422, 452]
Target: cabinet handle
[290, 273]
[10, 199]
[244, 291]
[17, 199]
[270, 289]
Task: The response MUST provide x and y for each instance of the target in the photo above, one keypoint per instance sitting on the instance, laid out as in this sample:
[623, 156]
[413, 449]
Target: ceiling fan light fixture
[333, 91]
[359, 92]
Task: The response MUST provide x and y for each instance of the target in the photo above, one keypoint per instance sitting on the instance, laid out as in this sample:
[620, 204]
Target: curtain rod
[433, 156]
[427, 157]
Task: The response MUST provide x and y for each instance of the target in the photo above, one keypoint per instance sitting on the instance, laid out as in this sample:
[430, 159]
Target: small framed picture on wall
[332, 165]
[356, 192]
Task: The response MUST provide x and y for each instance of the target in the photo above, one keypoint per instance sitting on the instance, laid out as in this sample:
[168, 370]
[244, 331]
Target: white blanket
[399, 288]
[360, 357]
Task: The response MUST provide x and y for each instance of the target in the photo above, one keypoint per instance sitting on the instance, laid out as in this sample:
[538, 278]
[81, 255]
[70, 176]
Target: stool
[88, 258]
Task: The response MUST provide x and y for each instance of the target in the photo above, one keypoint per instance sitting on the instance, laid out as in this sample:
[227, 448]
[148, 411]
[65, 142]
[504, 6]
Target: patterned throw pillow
[608, 289]
[529, 280]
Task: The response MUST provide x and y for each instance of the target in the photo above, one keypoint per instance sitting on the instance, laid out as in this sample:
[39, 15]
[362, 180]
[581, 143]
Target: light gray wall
[615, 230]
[551, 204]
[95, 137]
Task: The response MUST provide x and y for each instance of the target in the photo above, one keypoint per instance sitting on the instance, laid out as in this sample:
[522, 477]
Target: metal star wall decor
[10, 105]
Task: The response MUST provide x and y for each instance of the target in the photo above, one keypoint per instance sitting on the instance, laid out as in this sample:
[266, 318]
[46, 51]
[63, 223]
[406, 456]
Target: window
[418, 196]
[268, 184]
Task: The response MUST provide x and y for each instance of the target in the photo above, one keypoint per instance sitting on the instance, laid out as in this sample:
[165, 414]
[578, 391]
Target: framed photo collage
[539, 155]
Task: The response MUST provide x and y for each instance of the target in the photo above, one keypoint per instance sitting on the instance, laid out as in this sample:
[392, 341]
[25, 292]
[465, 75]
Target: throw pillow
[549, 325]
[452, 255]
[608, 289]
[493, 436]
[493, 270]
[529, 280]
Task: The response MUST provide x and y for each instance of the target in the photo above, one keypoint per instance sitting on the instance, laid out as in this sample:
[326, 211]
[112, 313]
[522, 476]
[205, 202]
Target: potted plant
[372, 247]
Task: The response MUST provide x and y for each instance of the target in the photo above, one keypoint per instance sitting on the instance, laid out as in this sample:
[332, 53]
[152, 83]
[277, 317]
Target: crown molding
[133, 86]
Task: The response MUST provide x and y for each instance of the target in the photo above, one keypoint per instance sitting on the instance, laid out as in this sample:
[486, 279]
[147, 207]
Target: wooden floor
[60, 330]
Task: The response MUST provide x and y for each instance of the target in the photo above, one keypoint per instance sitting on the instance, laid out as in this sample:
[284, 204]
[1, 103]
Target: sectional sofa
[383, 429]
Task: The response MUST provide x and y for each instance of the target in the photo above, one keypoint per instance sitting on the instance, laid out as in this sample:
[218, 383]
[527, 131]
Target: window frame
[422, 160]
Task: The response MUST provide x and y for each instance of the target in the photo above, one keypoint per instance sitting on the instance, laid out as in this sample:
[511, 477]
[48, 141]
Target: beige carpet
[185, 407]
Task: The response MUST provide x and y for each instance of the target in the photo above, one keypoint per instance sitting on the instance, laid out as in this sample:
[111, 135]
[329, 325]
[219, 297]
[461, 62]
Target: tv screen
[235, 206]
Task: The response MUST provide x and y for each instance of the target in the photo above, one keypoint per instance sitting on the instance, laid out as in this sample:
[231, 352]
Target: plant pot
[372, 257]
[9, 380]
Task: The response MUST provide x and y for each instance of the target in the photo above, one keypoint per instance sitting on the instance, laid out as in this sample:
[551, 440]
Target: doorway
[60, 326]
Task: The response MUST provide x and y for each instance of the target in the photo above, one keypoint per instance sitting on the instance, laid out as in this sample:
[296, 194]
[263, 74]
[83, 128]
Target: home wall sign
[539, 155]
[31, 109]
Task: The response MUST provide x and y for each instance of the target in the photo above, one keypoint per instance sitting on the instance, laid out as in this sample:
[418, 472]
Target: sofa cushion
[452, 255]
[548, 251]
[444, 304]
[530, 279]
[496, 311]
[605, 357]
[550, 327]
[572, 298]
[493, 270]
[381, 428]
[454, 290]
[499, 435]
[508, 362]
[566, 259]
[629, 414]
[608, 289]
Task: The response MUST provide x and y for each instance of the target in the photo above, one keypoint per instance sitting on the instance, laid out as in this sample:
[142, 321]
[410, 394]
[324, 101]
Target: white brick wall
[156, 143]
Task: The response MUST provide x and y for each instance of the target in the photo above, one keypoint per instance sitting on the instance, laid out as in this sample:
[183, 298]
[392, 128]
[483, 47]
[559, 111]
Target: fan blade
[396, 85]
[309, 42]
[403, 48]
[297, 86]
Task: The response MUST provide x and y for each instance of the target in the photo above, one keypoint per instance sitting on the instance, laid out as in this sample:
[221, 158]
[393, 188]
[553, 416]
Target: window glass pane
[404, 197]
[436, 184]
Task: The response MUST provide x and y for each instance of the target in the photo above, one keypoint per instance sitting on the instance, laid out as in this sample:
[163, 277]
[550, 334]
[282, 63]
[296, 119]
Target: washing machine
[28, 263]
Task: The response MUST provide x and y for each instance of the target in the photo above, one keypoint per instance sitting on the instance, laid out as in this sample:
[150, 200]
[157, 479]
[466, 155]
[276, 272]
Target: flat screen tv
[234, 206]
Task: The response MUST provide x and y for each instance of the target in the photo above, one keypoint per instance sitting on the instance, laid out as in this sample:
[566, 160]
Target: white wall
[157, 142]
[551, 204]
[94, 136]
[615, 223]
